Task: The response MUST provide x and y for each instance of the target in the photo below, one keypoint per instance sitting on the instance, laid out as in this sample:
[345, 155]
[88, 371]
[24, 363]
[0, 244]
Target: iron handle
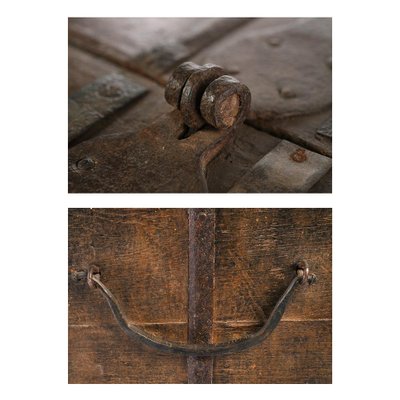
[302, 276]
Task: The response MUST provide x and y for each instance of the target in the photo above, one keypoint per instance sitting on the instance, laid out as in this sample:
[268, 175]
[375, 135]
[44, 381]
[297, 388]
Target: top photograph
[200, 105]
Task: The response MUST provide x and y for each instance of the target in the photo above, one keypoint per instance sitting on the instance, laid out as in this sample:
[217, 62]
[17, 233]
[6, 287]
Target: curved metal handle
[302, 276]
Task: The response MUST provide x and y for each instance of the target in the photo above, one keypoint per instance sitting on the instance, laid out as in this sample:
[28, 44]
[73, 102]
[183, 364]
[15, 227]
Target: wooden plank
[296, 352]
[287, 168]
[143, 258]
[85, 68]
[247, 147]
[324, 185]
[104, 354]
[255, 252]
[150, 46]
[302, 130]
[287, 64]
[201, 287]
[98, 100]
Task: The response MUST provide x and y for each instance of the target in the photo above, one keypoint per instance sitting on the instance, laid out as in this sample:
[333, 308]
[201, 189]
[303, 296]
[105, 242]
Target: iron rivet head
[85, 164]
[299, 155]
[287, 93]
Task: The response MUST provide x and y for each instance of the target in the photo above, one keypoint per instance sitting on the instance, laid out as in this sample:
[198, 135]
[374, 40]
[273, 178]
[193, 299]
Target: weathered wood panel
[143, 258]
[287, 64]
[255, 252]
[287, 168]
[156, 159]
[290, 85]
[104, 354]
[99, 100]
[247, 147]
[296, 352]
[85, 68]
[151, 46]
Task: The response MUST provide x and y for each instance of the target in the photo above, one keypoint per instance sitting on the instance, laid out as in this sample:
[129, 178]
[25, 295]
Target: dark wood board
[296, 352]
[150, 46]
[104, 354]
[255, 252]
[143, 258]
[114, 45]
[287, 64]
[84, 68]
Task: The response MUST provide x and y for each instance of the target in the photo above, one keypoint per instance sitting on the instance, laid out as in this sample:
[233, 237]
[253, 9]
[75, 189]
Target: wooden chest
[213, 285]
[118, 68]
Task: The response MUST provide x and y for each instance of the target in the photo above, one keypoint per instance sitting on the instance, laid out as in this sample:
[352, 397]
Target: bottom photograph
[223, 295]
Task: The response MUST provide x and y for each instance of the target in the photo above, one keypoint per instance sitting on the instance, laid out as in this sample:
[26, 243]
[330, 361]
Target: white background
[34, 199]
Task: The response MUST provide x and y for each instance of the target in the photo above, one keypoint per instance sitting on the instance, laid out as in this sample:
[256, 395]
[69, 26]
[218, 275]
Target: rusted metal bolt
[204, 94]
[303, 272]
[225, 102]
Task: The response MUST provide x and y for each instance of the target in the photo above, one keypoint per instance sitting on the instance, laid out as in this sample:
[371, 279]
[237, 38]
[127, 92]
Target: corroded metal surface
[176, 82]
[98, 100]
[192, 92]
[153, 160]
[204, 94]
[288, 67]
[287, 64]
[225, 102]
[201, 287]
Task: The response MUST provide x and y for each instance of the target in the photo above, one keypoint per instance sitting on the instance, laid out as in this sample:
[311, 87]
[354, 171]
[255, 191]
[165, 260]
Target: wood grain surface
[287, 64]
[143, 258]
[286, 103]
[151, 46]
